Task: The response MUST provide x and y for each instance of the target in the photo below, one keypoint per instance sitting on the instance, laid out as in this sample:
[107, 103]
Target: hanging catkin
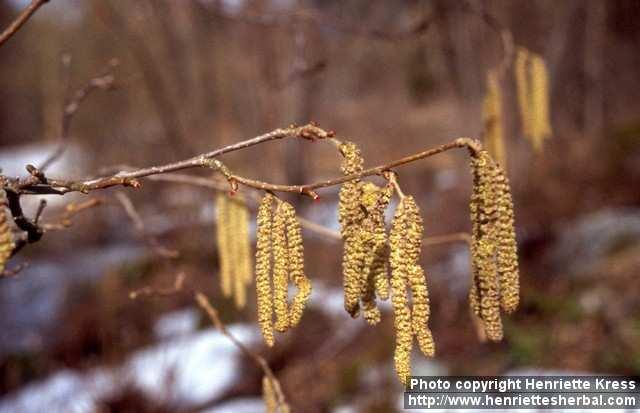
[361, 216]
[350, 216]
[280, 269]
[416, 277]
[373, 238]
[532, 82]
[495, 281]
[402, 314]
[234, 248]
[492, 119]
[507, 250]
[405, 241]
[6, 239]
[269, 395]
[296, 265]
[223, 226]
[263, 268]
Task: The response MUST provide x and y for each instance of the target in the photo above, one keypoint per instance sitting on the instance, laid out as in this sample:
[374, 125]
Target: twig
[212, 313]
[447, 238]
[178, 286]
[32, 184]
[70, 211]
[14, 271]
[133, 214]
[309, 16]
[21, 19]
[104, 81]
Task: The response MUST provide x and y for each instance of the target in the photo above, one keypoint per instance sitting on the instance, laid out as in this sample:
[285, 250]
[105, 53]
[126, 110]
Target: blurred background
[394, 76]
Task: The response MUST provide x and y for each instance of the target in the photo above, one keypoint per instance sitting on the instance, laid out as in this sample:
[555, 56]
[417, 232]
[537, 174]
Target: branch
[104, 81]
[21, 19]
[472, 145]
[204, 303]
[36, 185]
[70, 211]
[135, 217]
[310, 16]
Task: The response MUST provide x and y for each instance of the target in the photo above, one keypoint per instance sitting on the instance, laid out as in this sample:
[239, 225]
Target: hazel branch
[35, 185]
[21, 20]
[212, 313]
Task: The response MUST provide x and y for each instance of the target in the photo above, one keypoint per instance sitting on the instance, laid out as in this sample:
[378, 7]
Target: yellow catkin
[223, 230]
[484, 244]
[380, 250]
[380, 272]
[6, 239]
[263, 268]
[402, 314]
[416, 277]
[507, 251]
[492, 118]
[280, 269]
[541, 128]
[523, 89]
[372, 240]
[234, 249]
[532, 82]
[350, 216]
[239, 239]
[269, 396]
[296, 265]
[245, 261]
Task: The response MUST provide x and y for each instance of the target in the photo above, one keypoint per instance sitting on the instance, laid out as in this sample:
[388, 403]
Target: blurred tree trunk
[594, 59]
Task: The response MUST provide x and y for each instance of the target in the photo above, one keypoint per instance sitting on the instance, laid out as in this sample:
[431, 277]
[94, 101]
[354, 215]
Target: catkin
[296, 265]
[507, 251]
[6, 239]
[223, 227]
[532, 82]
[350, 216]
[495, 282]
[417, 279]
[269, 395]
[373, 238]
[492, 118]
[280, 269]
[541, 129]
[402, 314]
[263, 268]
[405, 241]
[234, 249]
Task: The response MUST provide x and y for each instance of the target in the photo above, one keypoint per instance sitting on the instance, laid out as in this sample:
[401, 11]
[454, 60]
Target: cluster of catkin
[407, 275]
[6, 239]
[234, 247]
[495, 283]
[532, 81]
[279, 258]
[361, 215]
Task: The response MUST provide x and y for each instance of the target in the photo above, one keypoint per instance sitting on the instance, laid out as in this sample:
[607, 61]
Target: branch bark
[21, 20]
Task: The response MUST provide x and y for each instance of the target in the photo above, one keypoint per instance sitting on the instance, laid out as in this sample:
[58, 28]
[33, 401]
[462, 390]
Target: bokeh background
[394, 76]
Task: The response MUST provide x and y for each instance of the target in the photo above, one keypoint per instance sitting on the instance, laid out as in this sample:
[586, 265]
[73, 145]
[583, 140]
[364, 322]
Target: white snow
[198, 367]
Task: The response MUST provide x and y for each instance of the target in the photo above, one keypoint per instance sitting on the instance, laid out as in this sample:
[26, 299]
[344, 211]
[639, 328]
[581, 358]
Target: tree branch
[21, 19]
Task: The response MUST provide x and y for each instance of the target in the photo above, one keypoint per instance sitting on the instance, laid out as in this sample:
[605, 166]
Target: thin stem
[21, 19]
[212, 313]
[58, 186]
